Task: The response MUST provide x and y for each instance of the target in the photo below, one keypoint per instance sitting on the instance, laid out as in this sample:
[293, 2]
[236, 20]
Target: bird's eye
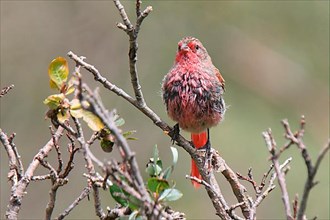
[197, 47]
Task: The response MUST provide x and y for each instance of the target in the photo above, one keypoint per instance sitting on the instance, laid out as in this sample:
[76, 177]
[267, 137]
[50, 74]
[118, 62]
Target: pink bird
[192, 92]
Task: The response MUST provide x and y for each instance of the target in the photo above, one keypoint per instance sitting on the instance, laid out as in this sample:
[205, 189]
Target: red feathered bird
[192, 92]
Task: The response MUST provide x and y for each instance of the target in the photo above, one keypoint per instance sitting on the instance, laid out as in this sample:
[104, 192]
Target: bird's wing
[219, 76]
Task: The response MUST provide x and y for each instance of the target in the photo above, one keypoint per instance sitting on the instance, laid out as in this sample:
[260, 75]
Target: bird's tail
[199, 140]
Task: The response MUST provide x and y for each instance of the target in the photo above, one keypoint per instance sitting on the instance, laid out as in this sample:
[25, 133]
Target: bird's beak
[184, 48]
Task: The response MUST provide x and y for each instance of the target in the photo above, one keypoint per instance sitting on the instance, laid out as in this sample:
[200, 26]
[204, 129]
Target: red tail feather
[199, 140]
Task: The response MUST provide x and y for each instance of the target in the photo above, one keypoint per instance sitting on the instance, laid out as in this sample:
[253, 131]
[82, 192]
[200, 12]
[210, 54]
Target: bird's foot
[175, 133]
[207, 161]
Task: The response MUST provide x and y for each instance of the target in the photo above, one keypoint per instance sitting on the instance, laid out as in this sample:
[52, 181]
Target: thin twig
[238, 190]
[270, 142]
[270, 187]
[310, 181]
[72, 151]
[59, 154]
[200, 181]
[263, 180]
[83, 195]
[40, 177]
[97, 202]
[12, 160]
[20, 168]
[250, 179]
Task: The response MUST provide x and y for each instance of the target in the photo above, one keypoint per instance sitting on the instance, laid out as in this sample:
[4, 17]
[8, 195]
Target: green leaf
[119, 122]
[155, 165]
[128, 133]
[118, 194]
[92, 120]
[54, 101]
[75, 104]
[153, 169]
[156, 154]
[175, 155]
[71, 87]
[133, 202]
[157, 185]
[75, 108]
[133, 215]
[58, 72]
[159, 163]
[170, 195]
[168, 171]
[53, 85]
[107, 145]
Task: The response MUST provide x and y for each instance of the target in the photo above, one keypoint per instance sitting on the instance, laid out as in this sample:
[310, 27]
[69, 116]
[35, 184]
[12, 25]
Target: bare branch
[20, 168]
[270, 187]
[97, 202]
[141, 17]
[250, 179]
[238, 190]
[270, 142]
[59, 154]
[263, 180]
[83, 195]
[56, 183]
[200, 181]
[12, 160]
[138, 8]
[72, 151]
[18, 190]
[123, 14]
[321, 155]
[310, 180]
[41, 177]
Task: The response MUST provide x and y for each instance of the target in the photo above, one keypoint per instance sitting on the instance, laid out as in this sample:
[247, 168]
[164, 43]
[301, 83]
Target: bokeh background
[274, 56]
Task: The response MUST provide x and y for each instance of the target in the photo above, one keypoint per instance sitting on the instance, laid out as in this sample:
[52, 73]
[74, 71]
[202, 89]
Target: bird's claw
[175, 133]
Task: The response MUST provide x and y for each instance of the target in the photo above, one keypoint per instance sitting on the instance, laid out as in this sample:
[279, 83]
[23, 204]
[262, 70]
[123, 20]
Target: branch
[270, 142]
[310, 181]
[13, 175]
[296, 139]
[108, 121]
[238, 190]
[18, 190]
[89, 157]
[56, 183]
[132, 32]
[262, 195]
[83, 195]
[20, 168]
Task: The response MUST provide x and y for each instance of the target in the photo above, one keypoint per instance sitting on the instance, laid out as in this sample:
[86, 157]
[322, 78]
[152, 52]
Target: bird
[193, 91]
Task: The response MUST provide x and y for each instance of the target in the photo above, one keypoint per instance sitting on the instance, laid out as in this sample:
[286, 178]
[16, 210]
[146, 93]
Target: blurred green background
[274, 56]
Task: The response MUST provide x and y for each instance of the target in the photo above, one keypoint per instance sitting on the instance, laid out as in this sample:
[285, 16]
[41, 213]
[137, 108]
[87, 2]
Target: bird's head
[190, 48]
